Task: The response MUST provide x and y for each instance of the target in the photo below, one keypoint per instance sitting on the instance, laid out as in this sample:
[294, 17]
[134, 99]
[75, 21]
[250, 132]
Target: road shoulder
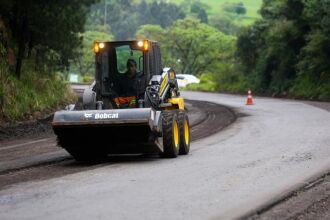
[310, 202]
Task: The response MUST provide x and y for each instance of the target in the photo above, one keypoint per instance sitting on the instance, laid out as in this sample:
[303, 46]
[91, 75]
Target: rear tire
[171, 134]
[184, 133]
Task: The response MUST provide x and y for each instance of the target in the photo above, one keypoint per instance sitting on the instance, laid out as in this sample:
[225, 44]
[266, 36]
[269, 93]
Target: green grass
[306, 88]
[216, 8]
[206, 84]
[31, 97]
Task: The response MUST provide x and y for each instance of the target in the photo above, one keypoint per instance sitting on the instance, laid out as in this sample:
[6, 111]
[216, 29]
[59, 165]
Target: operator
[130, 86]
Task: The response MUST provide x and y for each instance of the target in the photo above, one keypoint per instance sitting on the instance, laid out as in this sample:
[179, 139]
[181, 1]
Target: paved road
[37, 157]
[273, 148]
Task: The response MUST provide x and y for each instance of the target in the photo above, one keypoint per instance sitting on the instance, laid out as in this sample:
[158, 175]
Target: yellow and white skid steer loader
[152, 121]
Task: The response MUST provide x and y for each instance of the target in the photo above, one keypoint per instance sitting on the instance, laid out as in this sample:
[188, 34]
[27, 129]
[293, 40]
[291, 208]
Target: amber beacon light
[98, 46]
[144, 44]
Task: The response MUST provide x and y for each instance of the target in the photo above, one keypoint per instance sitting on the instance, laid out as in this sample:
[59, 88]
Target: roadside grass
[304, 87]
[238, 83]
[221, 82]
[206, 84]
[252, 10]
[216, 8]
[33, 96]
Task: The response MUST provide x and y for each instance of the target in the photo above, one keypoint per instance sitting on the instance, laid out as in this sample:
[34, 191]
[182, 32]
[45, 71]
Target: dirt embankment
[311, 202]
[21, 129]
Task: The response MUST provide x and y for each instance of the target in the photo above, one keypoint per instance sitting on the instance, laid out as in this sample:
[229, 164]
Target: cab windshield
[125, 53]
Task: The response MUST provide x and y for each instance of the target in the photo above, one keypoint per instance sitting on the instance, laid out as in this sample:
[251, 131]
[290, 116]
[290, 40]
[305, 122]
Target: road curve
[37, 157]
[276, 147]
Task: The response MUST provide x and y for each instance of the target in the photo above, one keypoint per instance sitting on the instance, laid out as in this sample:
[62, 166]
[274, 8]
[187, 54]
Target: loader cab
[111, 66]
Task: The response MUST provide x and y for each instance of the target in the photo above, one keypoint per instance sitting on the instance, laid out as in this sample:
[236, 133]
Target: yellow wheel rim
[176, 134]
[186, 132]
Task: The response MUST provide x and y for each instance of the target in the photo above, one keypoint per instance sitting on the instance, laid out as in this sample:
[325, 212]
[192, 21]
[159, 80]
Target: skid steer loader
[156, 123]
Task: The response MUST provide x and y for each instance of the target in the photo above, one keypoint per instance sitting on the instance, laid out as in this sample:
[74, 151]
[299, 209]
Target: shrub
[206, 84]
[34, 95]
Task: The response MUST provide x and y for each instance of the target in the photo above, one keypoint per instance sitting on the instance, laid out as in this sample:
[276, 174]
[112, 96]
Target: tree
[288, 50]
[124, 17]
[144, 14]
[152, 32]
[313, 66]
[237, 8]
[85, 59]
[197, 46]
[202, 15]
[45, 29]
[240, 8]
[225, 24]
[199, 10]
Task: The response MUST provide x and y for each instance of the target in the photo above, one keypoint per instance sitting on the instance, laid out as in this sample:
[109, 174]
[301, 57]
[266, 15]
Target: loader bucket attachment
[109, 131]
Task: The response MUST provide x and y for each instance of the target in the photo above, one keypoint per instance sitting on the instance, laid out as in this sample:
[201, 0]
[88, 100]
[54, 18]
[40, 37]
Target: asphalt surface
[273, 148]
[39, 157]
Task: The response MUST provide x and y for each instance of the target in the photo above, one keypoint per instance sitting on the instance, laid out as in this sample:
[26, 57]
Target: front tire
[171, 134]
[184, 133]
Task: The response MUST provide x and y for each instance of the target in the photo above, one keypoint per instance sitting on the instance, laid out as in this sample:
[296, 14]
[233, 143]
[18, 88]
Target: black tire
[171, 134]
[184, 133]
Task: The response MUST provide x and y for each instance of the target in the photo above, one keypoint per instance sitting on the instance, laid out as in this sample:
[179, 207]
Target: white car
[186, 79]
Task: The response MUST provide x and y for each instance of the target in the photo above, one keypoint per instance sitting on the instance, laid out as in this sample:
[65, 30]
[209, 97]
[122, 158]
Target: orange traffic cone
[249, 100]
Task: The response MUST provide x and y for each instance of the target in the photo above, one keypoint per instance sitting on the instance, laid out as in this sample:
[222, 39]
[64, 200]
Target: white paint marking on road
[27, 143]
